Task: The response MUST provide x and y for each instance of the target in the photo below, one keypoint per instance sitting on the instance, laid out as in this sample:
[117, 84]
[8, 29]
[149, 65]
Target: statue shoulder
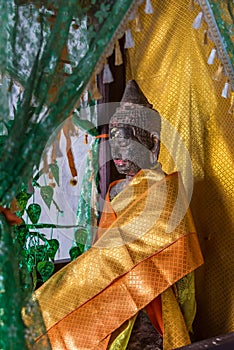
[117, 188]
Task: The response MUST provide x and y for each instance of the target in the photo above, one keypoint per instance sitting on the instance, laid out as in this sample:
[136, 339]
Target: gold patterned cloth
[169, 62]
[138, 257]
[175, 330]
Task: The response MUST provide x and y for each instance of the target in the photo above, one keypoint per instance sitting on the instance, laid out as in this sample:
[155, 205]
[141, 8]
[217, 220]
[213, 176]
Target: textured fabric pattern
[174, 73]
[186, 298]
[84, 326]
[174, 327]
[120, 338]
[91, 297]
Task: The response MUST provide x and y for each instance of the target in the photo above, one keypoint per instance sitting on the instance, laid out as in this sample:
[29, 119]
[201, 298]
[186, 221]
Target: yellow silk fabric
[175, 330]
[135, 260]
[169, 62]
[186, 297]
[120, 341]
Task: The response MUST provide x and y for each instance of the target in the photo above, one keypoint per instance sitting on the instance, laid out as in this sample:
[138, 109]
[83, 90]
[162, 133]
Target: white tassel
[128, 39]
[212, 56]
[225, 91]
[107, 75]
[149, 8]
[198, 21]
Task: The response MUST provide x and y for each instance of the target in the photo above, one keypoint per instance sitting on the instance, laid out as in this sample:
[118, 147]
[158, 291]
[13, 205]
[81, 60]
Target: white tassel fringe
[129, 43]
[198, 21]
[107, 75]
[212, 56]
[225, 91]
[149, 8]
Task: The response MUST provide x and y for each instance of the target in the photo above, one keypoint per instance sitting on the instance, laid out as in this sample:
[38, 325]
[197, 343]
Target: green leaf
[55, 172]
[47, 195]
[38, 252]
[22, 233]
[22, 199]
[81, 235]
[74, 252]
[34, 212]
[45, 269]
[53, 247]
[24, 253]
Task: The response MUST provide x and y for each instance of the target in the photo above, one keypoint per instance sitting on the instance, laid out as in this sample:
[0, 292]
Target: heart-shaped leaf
[81, 236]
[34, 212]
[22, 199]
[53, 247]
[55, 172]
[74, 252]
[47, 195]
[45, 269]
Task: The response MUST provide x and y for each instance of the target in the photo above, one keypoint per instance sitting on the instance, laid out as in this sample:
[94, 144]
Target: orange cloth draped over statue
[154, 309]
[142, 253]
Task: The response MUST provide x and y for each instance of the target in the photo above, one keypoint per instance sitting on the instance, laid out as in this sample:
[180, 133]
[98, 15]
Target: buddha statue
[134, 136]
[136, 264]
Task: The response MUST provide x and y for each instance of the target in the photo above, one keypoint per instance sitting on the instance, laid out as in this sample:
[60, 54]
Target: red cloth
[154, 311]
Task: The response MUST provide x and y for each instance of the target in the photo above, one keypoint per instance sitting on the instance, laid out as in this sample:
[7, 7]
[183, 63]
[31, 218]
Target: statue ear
[155, 148]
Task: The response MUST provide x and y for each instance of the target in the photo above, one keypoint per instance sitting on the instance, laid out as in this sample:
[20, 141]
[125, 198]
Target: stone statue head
[134, 132]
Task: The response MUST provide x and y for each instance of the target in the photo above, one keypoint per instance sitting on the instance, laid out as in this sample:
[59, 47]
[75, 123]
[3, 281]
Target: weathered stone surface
[144, 336]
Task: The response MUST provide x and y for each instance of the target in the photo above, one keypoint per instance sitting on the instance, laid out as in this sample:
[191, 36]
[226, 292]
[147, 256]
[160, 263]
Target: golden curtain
[169, 62]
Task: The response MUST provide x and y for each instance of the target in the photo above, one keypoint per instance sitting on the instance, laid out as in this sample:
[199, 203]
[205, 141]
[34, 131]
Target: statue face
[134, 138]
[128, 153]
